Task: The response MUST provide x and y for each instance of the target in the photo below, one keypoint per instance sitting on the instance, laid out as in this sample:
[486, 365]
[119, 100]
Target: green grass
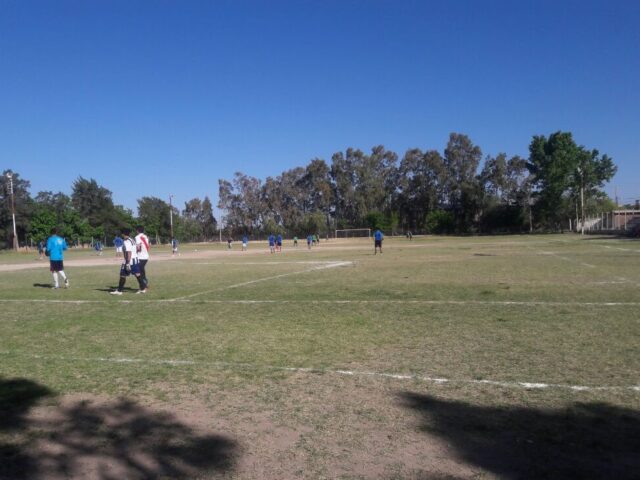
[432, 307]
[372, 314]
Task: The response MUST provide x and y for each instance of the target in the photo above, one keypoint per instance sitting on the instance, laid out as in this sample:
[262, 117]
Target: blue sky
[166, 97]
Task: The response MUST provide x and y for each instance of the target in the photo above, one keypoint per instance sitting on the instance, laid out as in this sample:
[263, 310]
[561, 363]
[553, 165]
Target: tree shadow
[17, 396]
[583, 441]
[105, 440]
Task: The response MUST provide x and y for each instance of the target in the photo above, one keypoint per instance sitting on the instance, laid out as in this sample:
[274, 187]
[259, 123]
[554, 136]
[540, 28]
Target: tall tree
[461, 160]
[155, 215]
[421, 186]
[553, 162]
[94, 204]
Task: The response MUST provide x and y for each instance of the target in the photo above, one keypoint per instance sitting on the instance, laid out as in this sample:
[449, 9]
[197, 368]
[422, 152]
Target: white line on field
[273, 277]
[339, 302]
[622, 249]
[318, 262]
[395, 376]
[567, 259]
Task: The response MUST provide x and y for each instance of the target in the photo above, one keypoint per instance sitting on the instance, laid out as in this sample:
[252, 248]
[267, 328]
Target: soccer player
[309, 241]
[142, 247]
[98, 247]
[40, 249]
[295, 241]
[377, 237]
[245, 242]
[272, 243]
[229, 242]
[118, 242]
[174, 246]
[279, 243]
[56, 246]
[131, 264]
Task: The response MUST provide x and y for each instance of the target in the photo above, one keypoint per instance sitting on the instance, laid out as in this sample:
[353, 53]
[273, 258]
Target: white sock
[55, 279]
[62, 274]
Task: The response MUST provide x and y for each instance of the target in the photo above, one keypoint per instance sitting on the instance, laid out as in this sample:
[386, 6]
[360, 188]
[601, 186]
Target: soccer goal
[353, 233]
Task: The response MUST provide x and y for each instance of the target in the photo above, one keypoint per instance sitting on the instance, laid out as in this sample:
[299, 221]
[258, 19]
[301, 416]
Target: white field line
[337, 302]
[311, 262]
[356, 373]
[567, 259]
[273, 277]
[621, 249]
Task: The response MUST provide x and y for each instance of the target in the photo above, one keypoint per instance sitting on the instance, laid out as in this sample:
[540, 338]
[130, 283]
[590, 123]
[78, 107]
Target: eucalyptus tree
[420, 186]
[463, 190]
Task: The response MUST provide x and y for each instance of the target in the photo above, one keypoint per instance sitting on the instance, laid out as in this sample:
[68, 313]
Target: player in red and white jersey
[142, 246]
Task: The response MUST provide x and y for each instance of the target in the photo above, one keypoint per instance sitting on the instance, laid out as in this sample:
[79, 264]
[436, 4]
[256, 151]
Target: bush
[440, 221]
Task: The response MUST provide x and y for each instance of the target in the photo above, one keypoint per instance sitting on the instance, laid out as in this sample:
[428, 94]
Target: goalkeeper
[131, 263]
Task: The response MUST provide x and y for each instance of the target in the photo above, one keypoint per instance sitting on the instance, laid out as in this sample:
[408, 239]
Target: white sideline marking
[273, 277]
[438, 380]
[381, 302]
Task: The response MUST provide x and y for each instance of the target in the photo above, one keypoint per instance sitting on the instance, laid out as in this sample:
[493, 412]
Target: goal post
[353, 233]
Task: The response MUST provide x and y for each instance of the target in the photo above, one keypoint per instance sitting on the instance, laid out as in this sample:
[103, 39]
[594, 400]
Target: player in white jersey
[131, 264]
[142, 246]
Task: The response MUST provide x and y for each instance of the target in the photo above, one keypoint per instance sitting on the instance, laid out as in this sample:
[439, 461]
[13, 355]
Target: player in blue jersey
[56, 246]
[309, 241]
[377, 237]
[245, 242]
[118, 242]
[272, 243]
[279, 243]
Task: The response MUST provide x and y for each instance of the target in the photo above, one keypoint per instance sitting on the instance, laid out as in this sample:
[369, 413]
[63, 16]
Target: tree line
[426, 191]
[90, 214]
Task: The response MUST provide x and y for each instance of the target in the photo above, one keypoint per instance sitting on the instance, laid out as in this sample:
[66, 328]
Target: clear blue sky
[166, 97]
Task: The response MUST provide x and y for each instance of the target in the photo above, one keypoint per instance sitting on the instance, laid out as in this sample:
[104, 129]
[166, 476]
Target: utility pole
[581, 199]
[13, 211]
[171, 216]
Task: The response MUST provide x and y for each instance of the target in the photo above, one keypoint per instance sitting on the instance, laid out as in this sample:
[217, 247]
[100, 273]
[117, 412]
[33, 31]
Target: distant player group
[135, 254]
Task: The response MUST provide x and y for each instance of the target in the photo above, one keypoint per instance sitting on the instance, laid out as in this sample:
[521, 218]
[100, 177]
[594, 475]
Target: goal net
[353, 233]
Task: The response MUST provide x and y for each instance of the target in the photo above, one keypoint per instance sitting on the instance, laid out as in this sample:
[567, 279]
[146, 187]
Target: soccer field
[445, 357]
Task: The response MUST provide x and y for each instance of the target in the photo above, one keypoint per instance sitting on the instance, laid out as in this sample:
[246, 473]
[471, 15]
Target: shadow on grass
[106, 440]
[111, 289]
[584, 441]
[42, 285]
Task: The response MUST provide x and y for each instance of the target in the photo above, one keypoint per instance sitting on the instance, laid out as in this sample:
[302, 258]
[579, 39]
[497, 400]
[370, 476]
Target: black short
[56, 265]
[378, 243]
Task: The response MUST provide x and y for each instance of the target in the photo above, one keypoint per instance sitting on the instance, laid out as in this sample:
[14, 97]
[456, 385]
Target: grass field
[448, 358]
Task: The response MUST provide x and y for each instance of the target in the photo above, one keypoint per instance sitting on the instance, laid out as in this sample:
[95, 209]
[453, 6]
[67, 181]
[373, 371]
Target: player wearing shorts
[56, 246]
[245, 242]
[279, 243]
[118, 242]
[377, 237]
[142, 247]
[272, 243]
[40, 249]
[131, 264]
